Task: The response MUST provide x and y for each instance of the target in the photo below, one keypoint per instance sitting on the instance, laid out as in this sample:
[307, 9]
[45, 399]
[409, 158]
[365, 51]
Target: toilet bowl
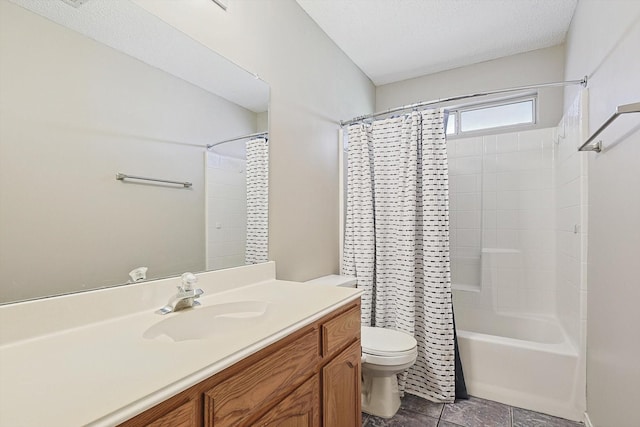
[385, 353]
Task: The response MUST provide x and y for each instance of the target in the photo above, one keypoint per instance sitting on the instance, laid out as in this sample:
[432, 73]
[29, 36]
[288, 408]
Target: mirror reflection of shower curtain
[257, 201]
[397, 242]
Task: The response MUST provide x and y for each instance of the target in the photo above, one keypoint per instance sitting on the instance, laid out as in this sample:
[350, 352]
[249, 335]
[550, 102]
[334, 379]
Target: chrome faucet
[186, 296]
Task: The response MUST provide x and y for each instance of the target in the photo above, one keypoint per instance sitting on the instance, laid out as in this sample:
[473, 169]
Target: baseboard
[587, 421]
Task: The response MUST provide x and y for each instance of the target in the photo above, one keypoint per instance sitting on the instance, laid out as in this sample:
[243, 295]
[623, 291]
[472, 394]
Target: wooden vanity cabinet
[247, 392]
[186, 415]
[299, 409]
[341, 389]
[310, 378]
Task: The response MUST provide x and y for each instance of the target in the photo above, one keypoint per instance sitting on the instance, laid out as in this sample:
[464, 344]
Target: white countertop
[105, 372]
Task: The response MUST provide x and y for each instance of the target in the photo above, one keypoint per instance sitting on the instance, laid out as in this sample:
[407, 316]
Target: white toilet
[385, 353]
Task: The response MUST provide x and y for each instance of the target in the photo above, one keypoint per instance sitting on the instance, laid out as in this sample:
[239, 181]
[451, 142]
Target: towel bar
[622, 109]
[122, 177]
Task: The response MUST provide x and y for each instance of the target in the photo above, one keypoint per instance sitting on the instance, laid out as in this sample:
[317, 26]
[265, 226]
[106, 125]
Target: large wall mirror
[92, 89]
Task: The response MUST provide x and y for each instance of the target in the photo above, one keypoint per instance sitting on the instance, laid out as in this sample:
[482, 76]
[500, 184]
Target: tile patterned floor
[475, 412]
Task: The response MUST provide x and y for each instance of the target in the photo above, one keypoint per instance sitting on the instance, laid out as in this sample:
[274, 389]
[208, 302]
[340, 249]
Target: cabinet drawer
[235, 401]
[340, 331]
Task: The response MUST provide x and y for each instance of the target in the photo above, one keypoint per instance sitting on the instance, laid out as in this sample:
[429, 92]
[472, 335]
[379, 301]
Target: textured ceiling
[393, 40]
[124, 26]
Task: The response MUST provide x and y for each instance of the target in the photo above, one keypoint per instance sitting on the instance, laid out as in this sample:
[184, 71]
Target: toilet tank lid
[376, 340]
[335, 280]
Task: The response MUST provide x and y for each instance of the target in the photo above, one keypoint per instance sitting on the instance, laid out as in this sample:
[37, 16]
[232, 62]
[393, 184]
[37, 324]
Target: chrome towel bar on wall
[622, 109]
[122, 177]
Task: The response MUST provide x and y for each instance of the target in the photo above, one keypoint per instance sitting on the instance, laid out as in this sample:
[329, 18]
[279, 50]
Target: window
[508, 113]
[451, 124]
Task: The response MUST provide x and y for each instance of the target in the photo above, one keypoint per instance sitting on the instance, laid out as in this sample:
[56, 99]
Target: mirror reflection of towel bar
[122, 177]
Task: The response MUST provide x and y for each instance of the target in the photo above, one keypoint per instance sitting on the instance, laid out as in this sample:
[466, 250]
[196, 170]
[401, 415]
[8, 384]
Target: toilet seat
[388, 347]
[386, 342]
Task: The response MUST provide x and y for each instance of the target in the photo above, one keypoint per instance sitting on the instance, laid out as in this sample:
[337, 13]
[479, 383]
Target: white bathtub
[522, 361]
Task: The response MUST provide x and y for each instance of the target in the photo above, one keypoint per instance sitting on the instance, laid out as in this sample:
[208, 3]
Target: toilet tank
[335, 280]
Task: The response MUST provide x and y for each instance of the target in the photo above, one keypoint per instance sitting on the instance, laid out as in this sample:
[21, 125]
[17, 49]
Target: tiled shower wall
[465, 211]
[571, 219]
[502, 207]
[226, 211]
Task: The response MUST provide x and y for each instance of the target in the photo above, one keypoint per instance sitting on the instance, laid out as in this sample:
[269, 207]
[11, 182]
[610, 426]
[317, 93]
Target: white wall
[538, 66]
[74, 112]
[603, 42]
[313, 86]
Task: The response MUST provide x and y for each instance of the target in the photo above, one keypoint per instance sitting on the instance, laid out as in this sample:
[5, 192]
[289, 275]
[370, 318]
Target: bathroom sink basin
[210, 321]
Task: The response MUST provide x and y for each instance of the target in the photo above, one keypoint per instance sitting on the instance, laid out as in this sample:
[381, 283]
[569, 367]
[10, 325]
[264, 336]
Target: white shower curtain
[257, 201]
[397, 240]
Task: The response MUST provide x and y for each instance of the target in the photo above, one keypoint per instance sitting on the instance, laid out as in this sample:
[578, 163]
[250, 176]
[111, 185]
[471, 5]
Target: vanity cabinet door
[341, 389]
[187, 415]
[300, 409]
[235, 401]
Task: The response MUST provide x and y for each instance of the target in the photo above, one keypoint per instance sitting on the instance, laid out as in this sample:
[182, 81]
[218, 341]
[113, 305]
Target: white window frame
[457, 110]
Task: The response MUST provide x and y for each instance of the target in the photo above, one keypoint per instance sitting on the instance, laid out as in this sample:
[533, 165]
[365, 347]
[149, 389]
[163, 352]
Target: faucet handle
[188, 280]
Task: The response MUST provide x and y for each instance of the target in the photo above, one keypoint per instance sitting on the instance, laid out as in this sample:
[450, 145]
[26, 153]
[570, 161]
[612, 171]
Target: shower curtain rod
[253, 135]
[582, 82]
